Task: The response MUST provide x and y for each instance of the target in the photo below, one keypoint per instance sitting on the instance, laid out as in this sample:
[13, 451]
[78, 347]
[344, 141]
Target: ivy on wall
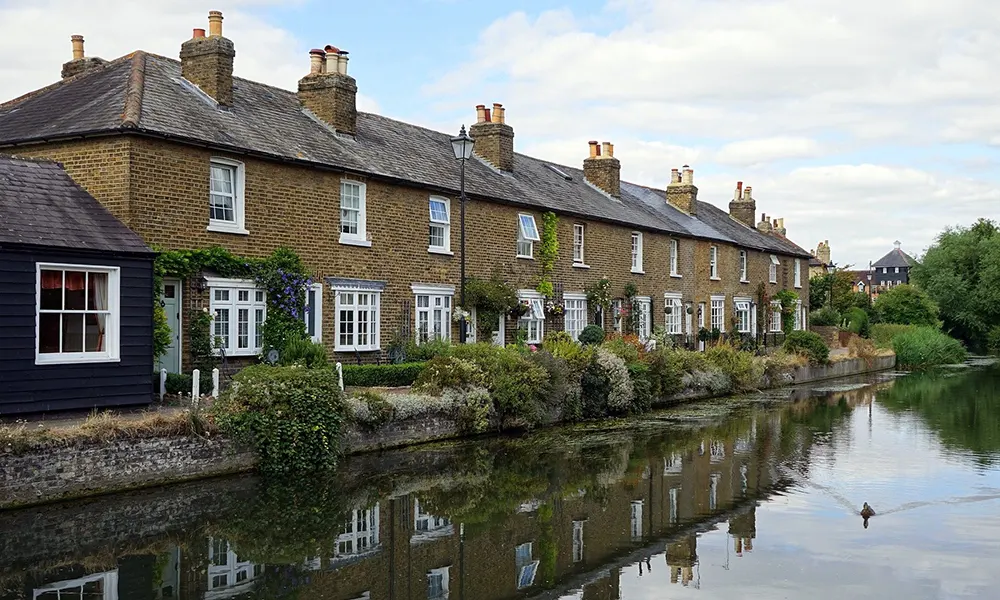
[281, 275]
[548, 253]
[787, 298]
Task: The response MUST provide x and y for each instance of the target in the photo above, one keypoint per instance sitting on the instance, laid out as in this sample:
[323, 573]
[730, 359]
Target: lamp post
[462, 145]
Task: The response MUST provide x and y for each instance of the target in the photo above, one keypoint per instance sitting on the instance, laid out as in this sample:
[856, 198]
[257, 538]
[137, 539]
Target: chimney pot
[594, 150]
[494, 139]
[739, 190]
[497, 112]
[214, 23]
[317, 61]
[606, 147]
[197, 32]
[332, 97]
[77, 41]
[748, 193]
[602, 169]
[687, 176]
[342, 62]
[480, 113]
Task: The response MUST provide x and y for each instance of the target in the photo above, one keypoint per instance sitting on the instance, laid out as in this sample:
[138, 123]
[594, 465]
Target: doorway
[171, 302]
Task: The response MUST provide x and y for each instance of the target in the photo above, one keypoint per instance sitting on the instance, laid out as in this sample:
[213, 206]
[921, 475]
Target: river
[755, 497]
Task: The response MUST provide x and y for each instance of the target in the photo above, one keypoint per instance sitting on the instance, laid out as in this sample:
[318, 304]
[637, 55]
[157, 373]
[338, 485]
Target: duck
[867, 512]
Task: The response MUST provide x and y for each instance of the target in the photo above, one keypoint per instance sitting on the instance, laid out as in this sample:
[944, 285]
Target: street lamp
[462, 145]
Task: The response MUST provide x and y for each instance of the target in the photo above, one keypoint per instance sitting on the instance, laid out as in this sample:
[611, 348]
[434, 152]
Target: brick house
[189, 156]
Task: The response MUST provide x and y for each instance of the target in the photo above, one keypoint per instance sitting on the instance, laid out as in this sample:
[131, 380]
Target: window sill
[715, 278]
[798, 287]
[353, 241]
[353, 349]
[227, 228]
[773, 282]
[56, 359]
[241, 353]
[580, 265]
[521, 256]
[441, 251]
[638, 271]
[677, 276]
[744, 281]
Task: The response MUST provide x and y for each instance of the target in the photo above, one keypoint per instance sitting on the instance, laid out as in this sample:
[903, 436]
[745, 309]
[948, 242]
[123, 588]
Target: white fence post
[163, 384]
[195, 384]
[215, 382]
[340, 376]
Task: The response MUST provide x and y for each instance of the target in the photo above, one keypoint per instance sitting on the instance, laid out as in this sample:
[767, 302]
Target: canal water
[757, 497]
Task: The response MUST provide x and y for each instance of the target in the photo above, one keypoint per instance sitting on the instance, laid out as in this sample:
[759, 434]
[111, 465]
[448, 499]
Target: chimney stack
[765, 225]
[681, 191]
[743, 207]
[207, 62]
[80, 63]
[602, 170]
[823, 252]
[328, 92]
[494, 138]
[779, 226]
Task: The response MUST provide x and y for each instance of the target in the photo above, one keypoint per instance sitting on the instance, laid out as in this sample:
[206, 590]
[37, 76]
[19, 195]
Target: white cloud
[759, 151]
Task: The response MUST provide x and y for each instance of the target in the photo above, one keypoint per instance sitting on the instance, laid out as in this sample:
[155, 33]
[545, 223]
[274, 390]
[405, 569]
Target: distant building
[820, 263]
[892, 269]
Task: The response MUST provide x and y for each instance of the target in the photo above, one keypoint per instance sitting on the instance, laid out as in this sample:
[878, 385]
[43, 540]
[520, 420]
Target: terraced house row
[189, 156]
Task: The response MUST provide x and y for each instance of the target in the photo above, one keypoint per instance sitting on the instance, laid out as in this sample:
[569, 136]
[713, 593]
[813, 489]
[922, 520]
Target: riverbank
[112, 457]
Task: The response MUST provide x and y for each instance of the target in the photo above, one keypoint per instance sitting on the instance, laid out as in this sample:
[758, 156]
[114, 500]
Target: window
[313, 315]
[743, 266]
[636, 252]
[719, 313]
[226, 569]
[798, 315]
[78, 314]
[776, 316]
[675, 494]
[674, 259]
[440, 227]
[437, 583]
[578, 541]
[576, 314]
[426, 523]
[533, 322]
[353, 214]
[897, 269]
[635, 520]
[673, 310]
[713, 491]
[225, 196]
[433, 312]
[526, 567]
[713, 262]
[643, 317]
[358, 310]
[798, 273]
[99, 586]
[527, 235]
[743, 315]
[898, 282]
[239, 310]
[772, 274]
[701, 315]
[861, 286]
[359, 535]
[578, 231]
[885, 270]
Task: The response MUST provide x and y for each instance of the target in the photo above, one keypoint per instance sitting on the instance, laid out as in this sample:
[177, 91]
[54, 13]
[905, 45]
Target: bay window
[575, 314]
[358, 309]
[78, 314]
[238, 310]
[433, 304]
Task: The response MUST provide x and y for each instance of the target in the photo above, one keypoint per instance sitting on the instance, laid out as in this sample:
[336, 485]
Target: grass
[101, 427]
[925, 347]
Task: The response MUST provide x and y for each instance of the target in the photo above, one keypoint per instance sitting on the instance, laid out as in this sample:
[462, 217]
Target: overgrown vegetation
[548, 252]
[906, 305]
[808, 344]
[923, 347]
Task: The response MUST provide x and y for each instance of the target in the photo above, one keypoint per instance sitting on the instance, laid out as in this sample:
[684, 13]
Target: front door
[171, 359]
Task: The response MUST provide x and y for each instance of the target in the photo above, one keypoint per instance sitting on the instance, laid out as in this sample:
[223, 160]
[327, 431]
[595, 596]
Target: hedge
[382, 375]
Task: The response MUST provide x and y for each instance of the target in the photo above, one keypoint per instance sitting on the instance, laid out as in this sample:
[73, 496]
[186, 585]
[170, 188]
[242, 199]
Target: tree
[819, 291]
[906, 305]
[961, 273]
[834, 289]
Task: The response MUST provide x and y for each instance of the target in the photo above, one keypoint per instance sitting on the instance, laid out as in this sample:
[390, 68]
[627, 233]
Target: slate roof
[895, 258]
[144, 93]
[40, 205]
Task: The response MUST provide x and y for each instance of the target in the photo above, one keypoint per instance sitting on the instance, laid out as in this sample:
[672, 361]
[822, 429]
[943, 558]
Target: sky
[858, 122]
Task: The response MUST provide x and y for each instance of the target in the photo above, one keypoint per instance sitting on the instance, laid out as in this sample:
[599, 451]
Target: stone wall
[830, 335]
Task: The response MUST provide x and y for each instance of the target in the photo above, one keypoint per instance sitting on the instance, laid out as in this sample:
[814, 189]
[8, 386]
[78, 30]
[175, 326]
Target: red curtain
[53, 280]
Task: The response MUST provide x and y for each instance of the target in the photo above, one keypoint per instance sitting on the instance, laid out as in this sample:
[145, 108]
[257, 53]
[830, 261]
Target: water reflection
[569, 512]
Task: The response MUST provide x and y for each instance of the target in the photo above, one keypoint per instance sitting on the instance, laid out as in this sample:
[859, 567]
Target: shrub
[858, 322]
[577, 356]
[426, 350]
[883, 333]
[714, 381]
[626, 347]
[304, 352]
[906, 305]
[808, 344]
[592, 335]
[382, 375]
[180, 383]
[863, 349]
[666, 371]
[444, 372]
[372, 410]
[607, 386]
[516, 385]
[824, 317]
[642, 387]
[781, 362]
[743, 371]
[562, 385]
[291, 416]
[924, 347]
[993, 340]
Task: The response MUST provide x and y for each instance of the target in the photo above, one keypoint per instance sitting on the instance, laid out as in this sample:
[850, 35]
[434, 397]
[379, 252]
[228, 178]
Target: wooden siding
[26, 387]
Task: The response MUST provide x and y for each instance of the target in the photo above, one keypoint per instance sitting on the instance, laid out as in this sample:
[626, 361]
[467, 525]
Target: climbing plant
[787, 298]
[548, 252]
[599, 296]
[630, 308]
[491, 298]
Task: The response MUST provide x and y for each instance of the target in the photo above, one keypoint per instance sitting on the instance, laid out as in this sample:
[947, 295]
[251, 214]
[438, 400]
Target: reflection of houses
[228, 574]
[127, 577]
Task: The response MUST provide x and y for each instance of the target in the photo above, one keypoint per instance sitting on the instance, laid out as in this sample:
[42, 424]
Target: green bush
[882, 334]
[666, 371]
[592, 335]
[624, 347]
[993, 340]
[291, 416]
[857, 322]
[906, 305]
[516, 385]
[642, 387]
[607, 387]
[304, 352]
[924, 347]
[743, 371]
[444, 372]
[824, 317]
[379, 410]
[180, 383]
[577, 356]
[427, 350]
[808, 344]
[382, 375]
[562, 387]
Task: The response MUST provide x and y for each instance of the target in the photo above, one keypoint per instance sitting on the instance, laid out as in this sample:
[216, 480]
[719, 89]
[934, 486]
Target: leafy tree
[906, 305]
[961, 273]
[819, 291]
[834, 290]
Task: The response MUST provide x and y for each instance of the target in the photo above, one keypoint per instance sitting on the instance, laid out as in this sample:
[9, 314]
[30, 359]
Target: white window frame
[579, 234]
[359, 238]
[238, 224]
[744, 312]
[526, 239]
[433, 525]
[533, 322]
[442, 572]
[578, 546]
[112, 326]
[637, 252]
[316, 310]
[713, 263]
[772, 273]
[717, 302]
[674, 317]
[575, 318]
[375, 325]
[635, 519]
[231, 569]
[776, 316]
[798, 315]
[743, 267]
[363, 540]
[253, 303]
[897, 269]
[675, 247]
[526, 568]
[445, 225]
[643, 317]
[439, 297]
[798, 273]
[109, 589]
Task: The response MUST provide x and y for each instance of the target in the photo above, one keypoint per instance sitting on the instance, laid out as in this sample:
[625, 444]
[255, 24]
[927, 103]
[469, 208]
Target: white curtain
[99, 300]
